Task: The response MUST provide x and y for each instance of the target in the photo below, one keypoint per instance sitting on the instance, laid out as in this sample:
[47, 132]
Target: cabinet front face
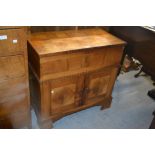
[66, 93]
[13, 96]
[97, 86]
[11, 67]
[12, 42]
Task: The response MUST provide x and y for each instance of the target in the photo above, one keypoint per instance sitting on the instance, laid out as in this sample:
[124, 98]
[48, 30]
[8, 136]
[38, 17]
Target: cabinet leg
[106, 104]
[46, 124]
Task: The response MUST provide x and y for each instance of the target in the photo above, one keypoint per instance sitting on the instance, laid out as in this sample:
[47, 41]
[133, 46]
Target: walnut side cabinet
[71, 71]
[14, 85]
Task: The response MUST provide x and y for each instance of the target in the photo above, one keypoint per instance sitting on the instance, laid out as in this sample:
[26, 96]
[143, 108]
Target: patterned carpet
[131, 108]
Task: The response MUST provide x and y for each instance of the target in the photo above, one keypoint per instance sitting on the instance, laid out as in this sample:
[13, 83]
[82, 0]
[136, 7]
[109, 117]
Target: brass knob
[52, 91]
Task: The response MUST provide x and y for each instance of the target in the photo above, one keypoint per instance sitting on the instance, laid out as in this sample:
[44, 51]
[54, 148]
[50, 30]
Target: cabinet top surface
[47, 43]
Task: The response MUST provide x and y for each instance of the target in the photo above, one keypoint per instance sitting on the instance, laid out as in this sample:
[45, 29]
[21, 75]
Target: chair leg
[151, 93]
[138, 74]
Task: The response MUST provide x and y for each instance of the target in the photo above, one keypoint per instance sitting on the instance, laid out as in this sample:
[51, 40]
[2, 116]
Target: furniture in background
[14, 85]
[152, 126]
[72, 70]
[151, 93]
[140, 45]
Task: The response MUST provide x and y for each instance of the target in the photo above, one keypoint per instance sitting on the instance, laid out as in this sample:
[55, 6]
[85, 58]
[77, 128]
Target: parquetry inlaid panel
[98, 86]
[63, 96]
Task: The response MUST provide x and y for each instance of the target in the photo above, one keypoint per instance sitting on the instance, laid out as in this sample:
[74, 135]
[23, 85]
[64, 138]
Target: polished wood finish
[14, 86]
[9, 66]
[82, 39]
[7, 47]
[71, 71]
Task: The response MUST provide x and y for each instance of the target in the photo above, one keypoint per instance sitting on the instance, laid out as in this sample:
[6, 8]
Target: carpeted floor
[131, 108]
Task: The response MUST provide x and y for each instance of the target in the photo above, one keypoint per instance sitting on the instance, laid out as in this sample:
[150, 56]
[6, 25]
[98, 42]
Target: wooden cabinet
[71, 71]
[14, 86]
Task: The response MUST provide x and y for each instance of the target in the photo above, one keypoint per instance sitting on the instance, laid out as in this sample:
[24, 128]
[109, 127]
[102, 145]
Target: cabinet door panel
[99, 85]
[66, 93]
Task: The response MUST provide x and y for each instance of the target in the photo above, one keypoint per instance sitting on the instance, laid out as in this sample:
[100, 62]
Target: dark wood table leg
[138, 74]
[151, 93]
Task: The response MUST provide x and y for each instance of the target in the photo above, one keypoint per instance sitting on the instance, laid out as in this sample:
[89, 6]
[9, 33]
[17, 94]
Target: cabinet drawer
[62, 63]
[12, 41]
[113, 55]
[13, 96]
[82, 61]
[11, 67]
[104, 57]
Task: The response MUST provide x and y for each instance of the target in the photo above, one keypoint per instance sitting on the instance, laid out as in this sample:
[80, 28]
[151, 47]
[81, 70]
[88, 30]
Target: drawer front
[88, 60]
[12, 41]
[113, 55]
[104, 57]
[11, 67]
[54, 66]
[13, 96]
[63, 63]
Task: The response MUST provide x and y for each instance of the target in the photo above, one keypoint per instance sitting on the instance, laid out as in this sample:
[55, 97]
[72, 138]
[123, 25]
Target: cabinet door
[66, 93]
[98, 85]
